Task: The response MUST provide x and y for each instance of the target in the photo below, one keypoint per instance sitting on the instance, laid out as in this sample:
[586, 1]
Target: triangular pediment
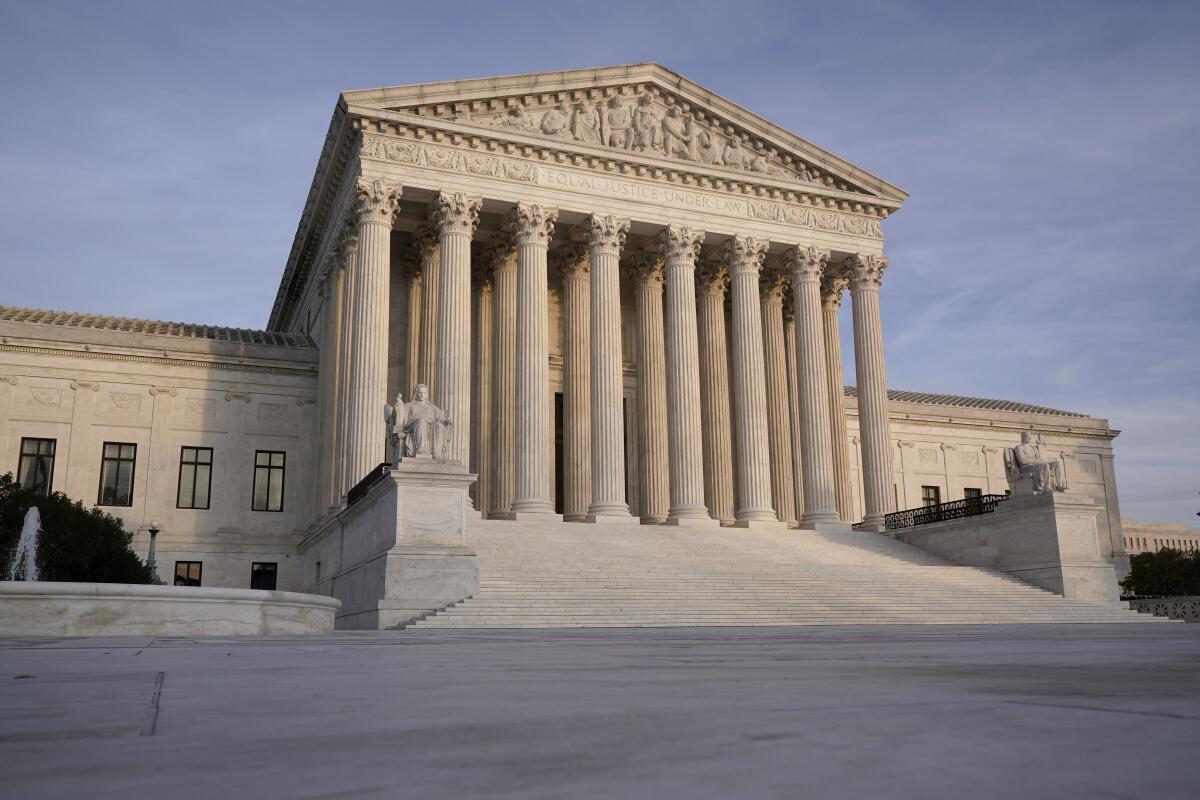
[641, 110]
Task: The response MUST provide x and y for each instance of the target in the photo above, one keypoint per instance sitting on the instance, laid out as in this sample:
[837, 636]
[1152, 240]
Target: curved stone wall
[42, 608]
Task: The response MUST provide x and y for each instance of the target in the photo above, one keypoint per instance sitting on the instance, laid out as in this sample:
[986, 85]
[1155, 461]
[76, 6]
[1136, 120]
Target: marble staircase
[549, 575]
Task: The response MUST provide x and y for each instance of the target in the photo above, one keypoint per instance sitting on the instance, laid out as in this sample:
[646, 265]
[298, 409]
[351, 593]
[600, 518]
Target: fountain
[23, 565]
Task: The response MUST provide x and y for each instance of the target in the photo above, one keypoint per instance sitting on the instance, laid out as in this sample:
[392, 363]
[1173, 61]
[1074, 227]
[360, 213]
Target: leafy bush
[76, 544]
[1165, 573]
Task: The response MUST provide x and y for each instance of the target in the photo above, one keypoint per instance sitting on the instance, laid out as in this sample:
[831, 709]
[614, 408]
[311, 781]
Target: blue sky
[154, 158]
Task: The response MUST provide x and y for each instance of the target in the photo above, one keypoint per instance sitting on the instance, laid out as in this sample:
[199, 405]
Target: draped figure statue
[1027, 461]
[417, 429]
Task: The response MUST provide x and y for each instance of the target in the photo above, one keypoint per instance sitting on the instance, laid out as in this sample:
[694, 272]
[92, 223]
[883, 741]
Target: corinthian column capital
[807, 262]
[605, 234]
[376, 201]
[570, 258]
[866, 270]
[532, 223]
[680, 244]
[775, 284]
[832, 286]
[744, 254]
[644, 267]
[712, 276]
[456, 212]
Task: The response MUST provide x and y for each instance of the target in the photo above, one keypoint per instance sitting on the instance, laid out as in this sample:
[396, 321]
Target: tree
[76, 544]
[1163, 573]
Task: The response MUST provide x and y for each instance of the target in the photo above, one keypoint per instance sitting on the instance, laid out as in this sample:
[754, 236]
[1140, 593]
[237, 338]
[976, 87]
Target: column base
[693, 522]
[653, 520]
[530, 516]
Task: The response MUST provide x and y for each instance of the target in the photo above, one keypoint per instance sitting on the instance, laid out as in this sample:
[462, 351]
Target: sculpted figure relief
[618, 120]
[555, 121]
[416, 429]
[646, 127]
[586, 124]
[677, 135]
[1026, 460]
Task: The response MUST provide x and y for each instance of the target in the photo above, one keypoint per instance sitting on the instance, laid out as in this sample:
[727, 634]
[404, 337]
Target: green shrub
[77, 544]
[1164, 573]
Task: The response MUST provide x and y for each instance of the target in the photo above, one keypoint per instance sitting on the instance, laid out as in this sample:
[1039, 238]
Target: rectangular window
[195, 477]
[116, 474]
[187, 573]
[972, 494]
[262, 575]
[36, 469]
[931, 495]
[268, 480]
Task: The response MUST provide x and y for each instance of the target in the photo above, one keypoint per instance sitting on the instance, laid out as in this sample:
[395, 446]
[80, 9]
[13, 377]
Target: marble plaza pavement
[1031, 711]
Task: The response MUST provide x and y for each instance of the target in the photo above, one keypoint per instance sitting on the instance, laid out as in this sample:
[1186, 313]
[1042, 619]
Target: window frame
[270, 468]
[194, 464]
[978, 493]
[22, 455]
[274, 565]
[119, 460]
[199, 573]
[937, 496]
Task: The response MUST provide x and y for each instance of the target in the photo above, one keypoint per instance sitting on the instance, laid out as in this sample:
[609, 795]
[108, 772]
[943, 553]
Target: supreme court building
[625, 291]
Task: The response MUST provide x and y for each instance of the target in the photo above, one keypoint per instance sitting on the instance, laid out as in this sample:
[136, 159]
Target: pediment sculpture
[416, 429]
[646, 123]
[1028, 469]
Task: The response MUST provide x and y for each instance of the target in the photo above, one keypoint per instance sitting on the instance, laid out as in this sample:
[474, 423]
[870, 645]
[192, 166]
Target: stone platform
[861, 712]
[538, 575]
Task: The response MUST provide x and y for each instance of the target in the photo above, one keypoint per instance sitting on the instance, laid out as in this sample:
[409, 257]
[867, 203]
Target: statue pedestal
[399, 552]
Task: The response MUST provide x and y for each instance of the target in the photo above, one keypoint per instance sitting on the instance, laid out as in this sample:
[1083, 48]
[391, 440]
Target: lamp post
[151, 564]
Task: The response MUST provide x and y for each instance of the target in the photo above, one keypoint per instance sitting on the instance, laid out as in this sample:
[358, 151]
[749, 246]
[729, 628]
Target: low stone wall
[1184, 608]
[42, 608]
[1048, 540]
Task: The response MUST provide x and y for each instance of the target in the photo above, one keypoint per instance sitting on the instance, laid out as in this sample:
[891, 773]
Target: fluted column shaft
[456, 216]
[412, 377]
[831, 304]
[789, 343]
[377, 206]
[532, 225]
[820, 507]
[654, 472]
[504, 365]
[680, 247]
[331, 290]
[431, 268]
[712, 281]
[605, 238]
[482, 405]
[744, 255]
[577, 370]
[783, 491]
[341, 406]
[865, 273]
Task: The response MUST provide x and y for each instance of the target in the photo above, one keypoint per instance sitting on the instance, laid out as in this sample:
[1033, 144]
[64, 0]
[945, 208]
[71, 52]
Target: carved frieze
[422, 155]
[45, 397]
[815, 218]
[126, 402]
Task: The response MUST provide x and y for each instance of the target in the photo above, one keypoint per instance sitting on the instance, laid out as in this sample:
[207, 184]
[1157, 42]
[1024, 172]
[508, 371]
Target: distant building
[1150, 537]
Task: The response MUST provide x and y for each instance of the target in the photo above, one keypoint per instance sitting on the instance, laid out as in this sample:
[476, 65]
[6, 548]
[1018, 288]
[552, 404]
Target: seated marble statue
[417, 429]
[1026, 461]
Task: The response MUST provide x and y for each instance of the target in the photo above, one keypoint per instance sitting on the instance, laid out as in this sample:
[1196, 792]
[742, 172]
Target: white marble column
[347, 256]
[605, 238]
[456, 216]
[377, 206]
[573, 266]
[789, 343]
[865, 272]
[503, 257]
[426, 238]
[646, 270]
[783, 489]
[680, 246]
[331, 290]
[412, 376]
[532, 225]
[832, 285]
[820, 507]
[744, 255]
[482, 400]
[712, 281]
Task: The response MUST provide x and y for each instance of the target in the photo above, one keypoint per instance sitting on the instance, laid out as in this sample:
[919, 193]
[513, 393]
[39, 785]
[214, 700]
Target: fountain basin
[47, 608]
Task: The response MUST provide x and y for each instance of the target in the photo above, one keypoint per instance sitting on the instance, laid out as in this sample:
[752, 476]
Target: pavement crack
[151, 722]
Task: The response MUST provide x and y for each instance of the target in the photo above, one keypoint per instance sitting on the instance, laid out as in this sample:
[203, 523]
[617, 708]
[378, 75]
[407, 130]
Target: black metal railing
[362, 487]
[955, 509]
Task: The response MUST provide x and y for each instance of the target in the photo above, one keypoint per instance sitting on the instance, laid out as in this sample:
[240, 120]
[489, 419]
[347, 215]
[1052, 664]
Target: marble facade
[670, 264]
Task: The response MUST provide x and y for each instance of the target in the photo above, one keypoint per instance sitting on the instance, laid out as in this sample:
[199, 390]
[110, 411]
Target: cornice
[203, 363]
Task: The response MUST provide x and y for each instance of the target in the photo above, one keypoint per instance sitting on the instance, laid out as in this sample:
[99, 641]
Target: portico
[680, 290]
